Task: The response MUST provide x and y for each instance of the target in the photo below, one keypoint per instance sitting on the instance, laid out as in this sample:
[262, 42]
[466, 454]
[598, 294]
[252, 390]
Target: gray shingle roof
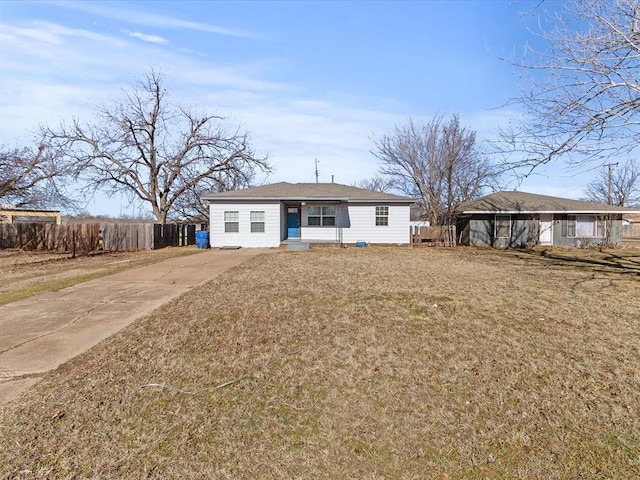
[307, 191]
[522, 202]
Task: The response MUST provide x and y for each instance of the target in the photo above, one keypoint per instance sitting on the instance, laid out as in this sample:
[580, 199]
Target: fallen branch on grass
[216, 387]
[117, 405]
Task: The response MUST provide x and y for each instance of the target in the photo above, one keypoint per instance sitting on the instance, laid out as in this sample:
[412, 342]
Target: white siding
[322, 233]
[244, 238]
[363, 225]
[355, 222]
[358, 223]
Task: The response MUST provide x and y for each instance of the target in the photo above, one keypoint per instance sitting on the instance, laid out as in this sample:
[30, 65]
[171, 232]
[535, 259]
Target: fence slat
[89, 237]
[433, 236]
[632, 231]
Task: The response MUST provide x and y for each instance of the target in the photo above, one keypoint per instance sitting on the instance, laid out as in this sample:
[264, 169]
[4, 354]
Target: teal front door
[293, 222]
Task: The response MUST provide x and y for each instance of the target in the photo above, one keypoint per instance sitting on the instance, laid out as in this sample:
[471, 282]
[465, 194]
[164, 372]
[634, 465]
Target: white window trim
[235, 222]
[382, 216]
[595, 222]
[322, 216]
[253, 222]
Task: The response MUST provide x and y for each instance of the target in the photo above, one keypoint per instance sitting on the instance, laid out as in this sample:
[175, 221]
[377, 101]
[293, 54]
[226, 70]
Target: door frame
[548, 220]
[298, 207]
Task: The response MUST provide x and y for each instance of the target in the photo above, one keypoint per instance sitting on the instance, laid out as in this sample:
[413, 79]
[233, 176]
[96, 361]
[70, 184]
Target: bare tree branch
[583, 102]
[33, 178]
[378, 183]
[622, 188]
[438, 162]
[159, 154]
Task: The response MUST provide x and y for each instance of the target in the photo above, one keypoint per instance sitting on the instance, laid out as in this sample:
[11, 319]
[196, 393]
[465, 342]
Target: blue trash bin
[202, 239]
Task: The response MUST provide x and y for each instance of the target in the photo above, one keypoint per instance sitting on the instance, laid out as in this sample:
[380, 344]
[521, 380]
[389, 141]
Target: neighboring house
[268, 215]
[631, 227]
[518, 219]
[631, 218]
[11, 214]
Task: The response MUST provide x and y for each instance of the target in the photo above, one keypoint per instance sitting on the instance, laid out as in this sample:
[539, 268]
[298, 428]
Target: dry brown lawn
[366, 363]
[26, 273]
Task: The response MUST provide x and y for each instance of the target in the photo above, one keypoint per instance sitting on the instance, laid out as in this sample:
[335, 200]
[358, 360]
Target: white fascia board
[275, 199]
[303, 199]
[405, 202]
[529, 212]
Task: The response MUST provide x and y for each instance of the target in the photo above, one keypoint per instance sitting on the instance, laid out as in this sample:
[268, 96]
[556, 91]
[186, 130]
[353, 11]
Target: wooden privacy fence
[631, 235]
[126, 236]
[632, 231]
[173, 235]
[84, 237]
[437, 236]
[89, 237]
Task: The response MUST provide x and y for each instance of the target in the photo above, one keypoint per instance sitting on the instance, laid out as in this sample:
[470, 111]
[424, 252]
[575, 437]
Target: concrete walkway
[42, 332]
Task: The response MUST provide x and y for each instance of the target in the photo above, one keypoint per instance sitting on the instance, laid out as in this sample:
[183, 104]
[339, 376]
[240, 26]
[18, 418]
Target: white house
[268, 215]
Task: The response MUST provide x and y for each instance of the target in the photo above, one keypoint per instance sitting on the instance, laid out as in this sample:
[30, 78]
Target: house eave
[399, 201]
[304, 199]
[275, 199]
[531, 212]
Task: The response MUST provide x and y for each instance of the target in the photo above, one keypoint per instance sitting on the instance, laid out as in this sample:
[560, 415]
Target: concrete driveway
[40, 333]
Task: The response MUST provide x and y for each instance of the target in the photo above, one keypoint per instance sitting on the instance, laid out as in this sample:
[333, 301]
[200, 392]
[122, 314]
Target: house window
[321, 215]
[382, 216]
[231, 222]
[257, 222]
[584, 226]
[503, 226]
[571, 226]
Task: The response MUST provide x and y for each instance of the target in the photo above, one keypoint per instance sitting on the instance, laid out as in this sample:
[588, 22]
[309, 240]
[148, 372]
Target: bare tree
[33, 178]
[438, 162]
[377, 183]
[582, 104]
[152, 151]
[619, 186]
[189, 206]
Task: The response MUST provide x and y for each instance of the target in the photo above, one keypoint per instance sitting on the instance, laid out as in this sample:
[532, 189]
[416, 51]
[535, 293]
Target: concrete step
[298, 246]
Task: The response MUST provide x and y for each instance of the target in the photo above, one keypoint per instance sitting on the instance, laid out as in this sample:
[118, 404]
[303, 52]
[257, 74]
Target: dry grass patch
[356, 363]
[27, 273]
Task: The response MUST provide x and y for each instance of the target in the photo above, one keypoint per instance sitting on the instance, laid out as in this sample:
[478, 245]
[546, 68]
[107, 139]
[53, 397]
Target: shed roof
[309, 192]
[523, 202]
[12, 208]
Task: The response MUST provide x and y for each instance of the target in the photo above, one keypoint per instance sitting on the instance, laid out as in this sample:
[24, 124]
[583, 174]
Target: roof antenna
[317, 172]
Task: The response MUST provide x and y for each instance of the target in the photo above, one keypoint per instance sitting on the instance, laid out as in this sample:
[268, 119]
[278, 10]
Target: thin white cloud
[124, 12]
[147, 37]
[295, 132]
[10, 33]
[51, 33]
[236, 78]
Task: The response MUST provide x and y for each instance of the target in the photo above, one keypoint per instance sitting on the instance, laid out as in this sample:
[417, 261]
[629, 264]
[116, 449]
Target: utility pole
[609, 180]
[318, 173]
[608, 216]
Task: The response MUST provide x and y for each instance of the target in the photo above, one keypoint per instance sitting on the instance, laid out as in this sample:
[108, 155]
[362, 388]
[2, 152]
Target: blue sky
[309, 80]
